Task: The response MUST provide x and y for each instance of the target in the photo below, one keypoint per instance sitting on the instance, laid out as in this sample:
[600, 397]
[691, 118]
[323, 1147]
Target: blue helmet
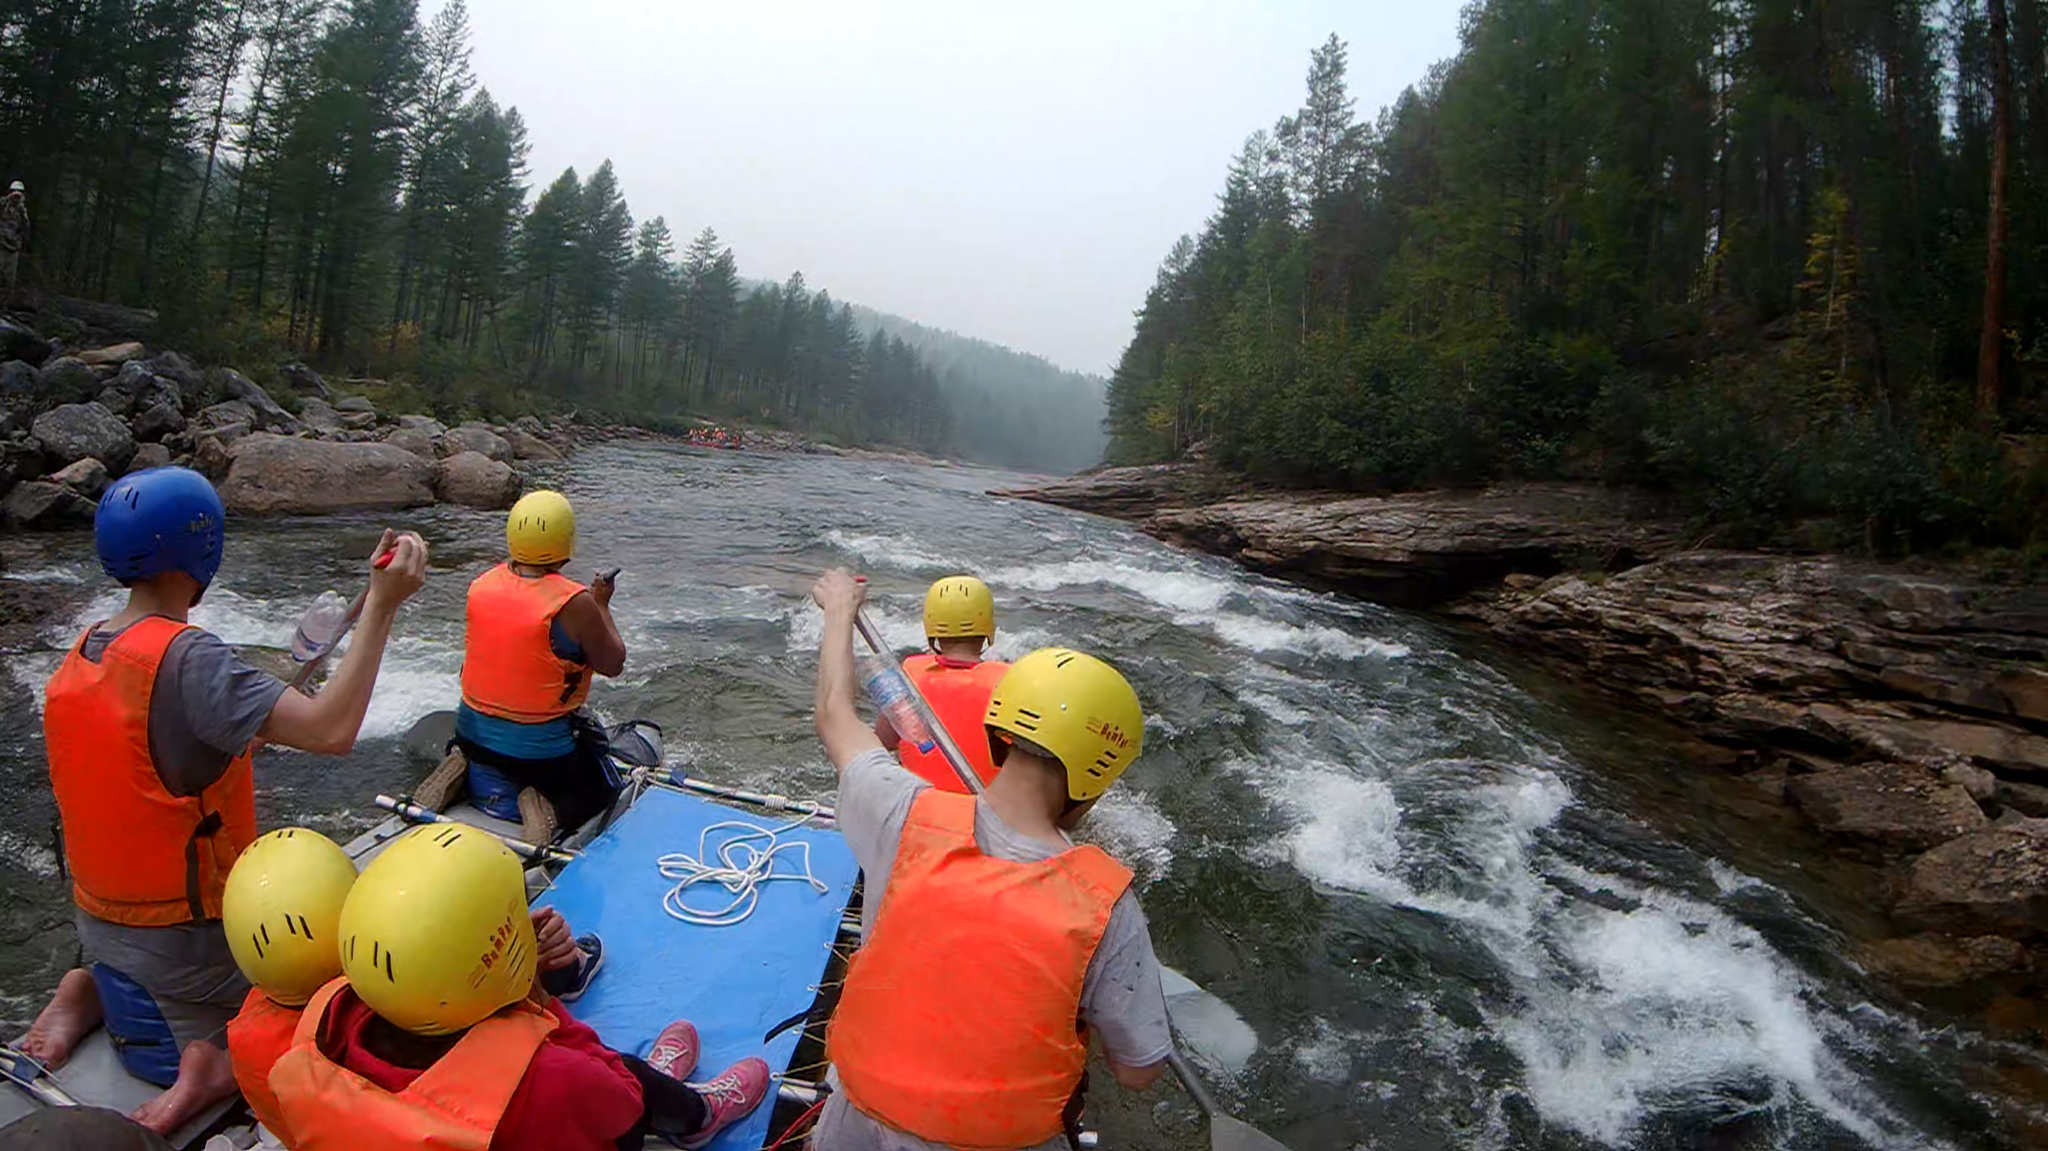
[160, 520]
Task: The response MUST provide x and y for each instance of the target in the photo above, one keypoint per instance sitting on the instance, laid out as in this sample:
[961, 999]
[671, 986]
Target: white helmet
[17, 186]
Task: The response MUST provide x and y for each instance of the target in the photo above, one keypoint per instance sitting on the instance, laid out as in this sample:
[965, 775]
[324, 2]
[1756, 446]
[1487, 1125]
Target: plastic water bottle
[890, 690]
[320, 628]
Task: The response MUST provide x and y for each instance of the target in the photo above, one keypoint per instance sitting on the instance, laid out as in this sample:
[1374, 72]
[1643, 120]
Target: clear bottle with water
[890, 690]
[320, 628]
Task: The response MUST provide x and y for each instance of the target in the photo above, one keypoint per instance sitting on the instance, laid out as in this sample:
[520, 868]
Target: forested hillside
[1008, 407]
[328, 179]
[1786, 258]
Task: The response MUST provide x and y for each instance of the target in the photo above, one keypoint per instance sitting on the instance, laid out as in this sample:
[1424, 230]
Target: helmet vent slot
[258, 942]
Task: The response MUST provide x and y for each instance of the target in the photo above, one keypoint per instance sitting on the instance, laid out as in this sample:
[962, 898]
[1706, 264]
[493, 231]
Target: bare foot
[73, 1012]
[205, 1077]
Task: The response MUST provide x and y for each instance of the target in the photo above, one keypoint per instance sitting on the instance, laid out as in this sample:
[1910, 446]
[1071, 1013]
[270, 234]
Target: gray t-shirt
[1121, 996]
[208, 704]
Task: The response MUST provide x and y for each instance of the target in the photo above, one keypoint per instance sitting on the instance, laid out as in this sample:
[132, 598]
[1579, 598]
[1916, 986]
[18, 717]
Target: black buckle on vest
[194, 899]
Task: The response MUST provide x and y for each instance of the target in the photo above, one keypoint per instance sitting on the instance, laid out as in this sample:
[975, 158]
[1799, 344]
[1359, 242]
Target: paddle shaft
[942, 737]
[414, 813]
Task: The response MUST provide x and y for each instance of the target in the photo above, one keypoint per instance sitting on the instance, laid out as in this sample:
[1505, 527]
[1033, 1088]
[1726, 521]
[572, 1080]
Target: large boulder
[213, 450]
[19, 343]
[354, 404]
[434, 428]
[272, 474]
[477, 480]
[114, 354]
[88, 477]
[150, 456]
[42, 504]
[1898, 807]
[1944, 961]
[319, 416]
[1993, 880]
[115, 400]
[157, 421]
[21, 458]
[18, 400]
[303, 379]
[179, 370]
[527, 446]
[269, 416]
[415, 441]
[226, 412]
[74, 431]
[67, 380]
[476, 438]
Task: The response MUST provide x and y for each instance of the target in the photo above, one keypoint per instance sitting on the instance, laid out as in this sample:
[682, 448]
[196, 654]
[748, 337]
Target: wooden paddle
[1225, 1132]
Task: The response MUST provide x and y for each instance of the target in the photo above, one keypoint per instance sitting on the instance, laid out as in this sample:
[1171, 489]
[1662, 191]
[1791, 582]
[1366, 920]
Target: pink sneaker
[729, 1097]
[674, 1053]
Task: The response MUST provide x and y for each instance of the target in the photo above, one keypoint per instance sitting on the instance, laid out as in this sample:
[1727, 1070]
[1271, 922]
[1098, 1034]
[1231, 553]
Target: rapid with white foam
[1420, 906]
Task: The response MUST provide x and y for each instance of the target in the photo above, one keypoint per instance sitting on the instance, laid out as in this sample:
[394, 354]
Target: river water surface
[1456, 909]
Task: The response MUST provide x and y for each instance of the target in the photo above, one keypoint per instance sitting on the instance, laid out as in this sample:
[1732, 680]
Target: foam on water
[18, 851]
[46, 575]
[1129, 825]
[1265, 635]
[417, 678]
[1326, 1054]
[1617, 1014]
[1181, 590]
[1345, 828]
[888, 551]
[1675, 999]
[1276, 708]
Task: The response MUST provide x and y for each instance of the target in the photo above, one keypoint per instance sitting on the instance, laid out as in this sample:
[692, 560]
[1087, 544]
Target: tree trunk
[220, 114]
[1991, 344]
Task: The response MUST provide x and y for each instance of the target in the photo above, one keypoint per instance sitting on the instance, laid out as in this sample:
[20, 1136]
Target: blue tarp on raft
[733, 982]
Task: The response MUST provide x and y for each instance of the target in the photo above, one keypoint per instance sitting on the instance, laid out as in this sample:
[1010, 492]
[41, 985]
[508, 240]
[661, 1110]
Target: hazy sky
[1012, 171]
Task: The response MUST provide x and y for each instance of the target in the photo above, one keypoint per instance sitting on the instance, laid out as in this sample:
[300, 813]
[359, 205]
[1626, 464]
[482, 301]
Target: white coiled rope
[744, 863]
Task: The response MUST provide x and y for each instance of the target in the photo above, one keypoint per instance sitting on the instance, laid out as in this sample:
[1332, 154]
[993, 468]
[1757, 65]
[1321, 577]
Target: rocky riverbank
[1902, 710]
[74, 418]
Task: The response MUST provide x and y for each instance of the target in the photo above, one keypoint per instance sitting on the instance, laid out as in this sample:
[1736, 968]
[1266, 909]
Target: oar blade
[1227, 1134]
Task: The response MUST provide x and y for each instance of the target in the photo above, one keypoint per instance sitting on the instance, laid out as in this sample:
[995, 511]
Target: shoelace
[664, 1058]
[726, 1090]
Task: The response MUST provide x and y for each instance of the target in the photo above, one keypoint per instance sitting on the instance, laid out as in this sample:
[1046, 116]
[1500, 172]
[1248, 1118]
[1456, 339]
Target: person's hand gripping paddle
[1225, 1132]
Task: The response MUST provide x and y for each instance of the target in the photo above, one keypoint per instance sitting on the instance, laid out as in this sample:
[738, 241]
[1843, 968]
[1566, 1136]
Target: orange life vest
[959, 697]
[981, 1064]
[138, 854]
[258, 1036]
[455, 1105]
[509, 668]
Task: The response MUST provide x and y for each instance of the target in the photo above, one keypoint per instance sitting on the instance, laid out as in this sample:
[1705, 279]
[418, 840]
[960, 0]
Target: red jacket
[577, 1095]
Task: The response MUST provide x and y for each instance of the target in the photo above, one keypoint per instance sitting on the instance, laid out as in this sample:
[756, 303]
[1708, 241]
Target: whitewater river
[1458, 906]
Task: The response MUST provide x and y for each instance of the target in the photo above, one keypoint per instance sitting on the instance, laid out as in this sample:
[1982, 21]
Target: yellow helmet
[1076, 707]
[436, 936]
[959, 607]
[281, 907]
[541, 529]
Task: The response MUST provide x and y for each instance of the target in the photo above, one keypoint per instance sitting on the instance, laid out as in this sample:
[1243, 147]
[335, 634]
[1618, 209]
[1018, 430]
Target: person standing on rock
[13, 238]
[533, 638]
[150, 725]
